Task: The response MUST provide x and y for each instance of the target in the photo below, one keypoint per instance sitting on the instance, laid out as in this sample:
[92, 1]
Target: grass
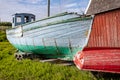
[11, 69]
[5, 24]
[2, 33]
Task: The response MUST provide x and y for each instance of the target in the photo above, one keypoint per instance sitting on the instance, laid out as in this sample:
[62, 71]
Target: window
[32, 19]
[18, 19]
[26, 19]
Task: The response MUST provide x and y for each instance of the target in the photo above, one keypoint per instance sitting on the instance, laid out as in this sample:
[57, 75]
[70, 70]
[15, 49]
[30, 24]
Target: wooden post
[48, 8]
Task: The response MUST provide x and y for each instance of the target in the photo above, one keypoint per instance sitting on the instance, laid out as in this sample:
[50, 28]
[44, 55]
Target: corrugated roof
[98, 6]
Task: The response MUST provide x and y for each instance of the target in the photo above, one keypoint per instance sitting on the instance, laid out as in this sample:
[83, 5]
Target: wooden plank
[58, 61]
[105, 30]
[105, 60]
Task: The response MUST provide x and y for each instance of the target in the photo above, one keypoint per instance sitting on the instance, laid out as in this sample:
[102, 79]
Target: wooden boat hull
[56, 37]
[103, 60]
[52, 51]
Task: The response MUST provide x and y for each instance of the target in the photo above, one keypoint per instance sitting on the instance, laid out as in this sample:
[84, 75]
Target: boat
[102, 52]
[60, 36]
[101, 60]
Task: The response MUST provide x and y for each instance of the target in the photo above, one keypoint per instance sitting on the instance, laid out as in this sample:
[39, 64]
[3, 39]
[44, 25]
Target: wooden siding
[105, 30]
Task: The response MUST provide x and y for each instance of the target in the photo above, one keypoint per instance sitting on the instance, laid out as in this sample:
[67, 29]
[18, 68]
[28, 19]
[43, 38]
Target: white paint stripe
[88, 36]
[88, 6]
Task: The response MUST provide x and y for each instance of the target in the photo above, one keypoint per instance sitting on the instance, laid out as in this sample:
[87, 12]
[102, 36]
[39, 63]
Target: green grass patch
[3, 33]
[3, 36]
[11, 69]
[5, 24]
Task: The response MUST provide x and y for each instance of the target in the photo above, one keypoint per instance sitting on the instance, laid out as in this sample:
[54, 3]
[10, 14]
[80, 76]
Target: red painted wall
[105, 30]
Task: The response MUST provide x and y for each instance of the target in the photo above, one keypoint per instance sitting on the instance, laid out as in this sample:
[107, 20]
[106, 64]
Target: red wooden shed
[102, 53]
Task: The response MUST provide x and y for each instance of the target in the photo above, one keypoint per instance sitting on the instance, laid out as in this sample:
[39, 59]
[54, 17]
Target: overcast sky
[39, 7]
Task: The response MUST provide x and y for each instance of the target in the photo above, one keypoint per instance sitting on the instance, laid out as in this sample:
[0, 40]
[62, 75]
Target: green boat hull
[65, 53]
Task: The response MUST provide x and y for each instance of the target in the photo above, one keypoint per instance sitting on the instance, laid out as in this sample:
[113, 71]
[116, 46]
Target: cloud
[10, 7]
[38, 7]
[31, 2]
[71, 5]
[78, 6]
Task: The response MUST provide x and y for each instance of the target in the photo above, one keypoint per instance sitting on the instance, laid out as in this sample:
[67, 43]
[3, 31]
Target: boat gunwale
[58, 15]
[60, 22]
[55, 23]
